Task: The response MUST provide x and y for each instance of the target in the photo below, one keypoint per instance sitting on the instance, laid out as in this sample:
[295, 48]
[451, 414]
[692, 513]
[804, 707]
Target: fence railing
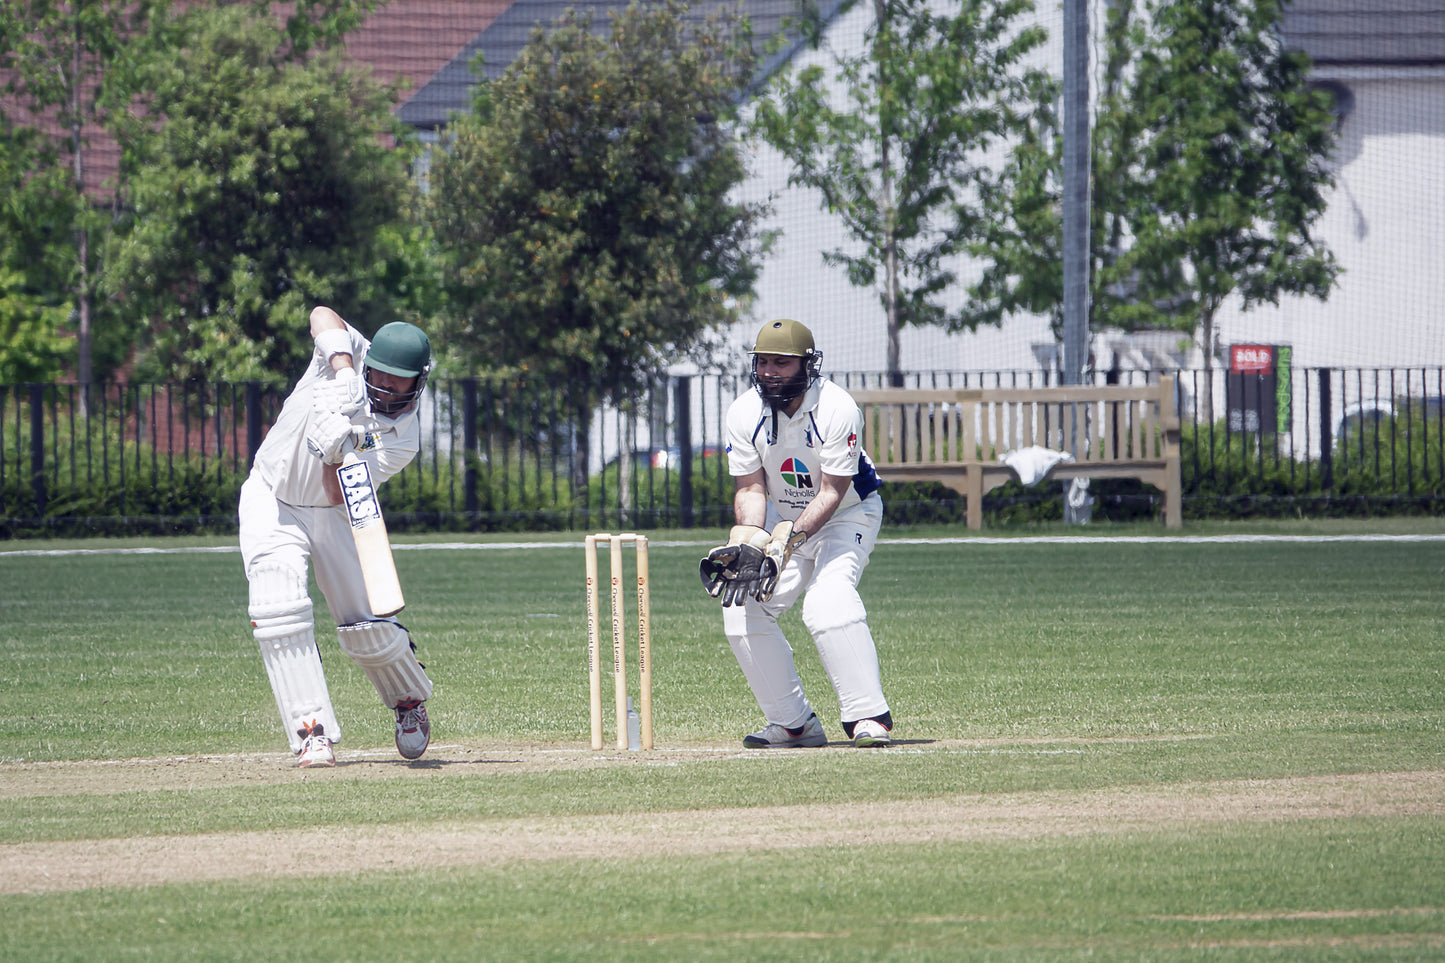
[522, 454]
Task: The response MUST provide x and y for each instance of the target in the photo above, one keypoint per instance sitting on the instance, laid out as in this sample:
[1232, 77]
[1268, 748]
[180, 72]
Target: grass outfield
[1135, 747]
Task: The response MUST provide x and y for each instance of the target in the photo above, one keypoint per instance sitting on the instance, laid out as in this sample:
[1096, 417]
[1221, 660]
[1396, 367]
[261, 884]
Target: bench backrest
[1110, 423]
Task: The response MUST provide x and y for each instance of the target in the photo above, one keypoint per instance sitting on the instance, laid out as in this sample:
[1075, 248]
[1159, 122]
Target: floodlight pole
[1076, 191]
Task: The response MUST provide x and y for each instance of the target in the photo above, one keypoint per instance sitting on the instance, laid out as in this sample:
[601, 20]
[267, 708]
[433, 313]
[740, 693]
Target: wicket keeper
[355, 395]
[808, 512]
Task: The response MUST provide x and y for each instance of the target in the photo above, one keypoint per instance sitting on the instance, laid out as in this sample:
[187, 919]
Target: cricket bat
[368, 528]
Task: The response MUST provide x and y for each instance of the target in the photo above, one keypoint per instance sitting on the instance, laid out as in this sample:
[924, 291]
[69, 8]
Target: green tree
[71, 68]
[61, 59]
[583, 206]
[263, 190]
[1209, 170]
[1231, 169]
[1021, 245]
[35, 260]
[904, 161]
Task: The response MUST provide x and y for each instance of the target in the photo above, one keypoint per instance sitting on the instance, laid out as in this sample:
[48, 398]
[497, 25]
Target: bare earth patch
[157, 860]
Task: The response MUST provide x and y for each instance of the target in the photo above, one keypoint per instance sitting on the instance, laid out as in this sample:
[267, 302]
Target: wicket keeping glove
[341, 394]
[781, 546]
[730, 571]
[327, 435]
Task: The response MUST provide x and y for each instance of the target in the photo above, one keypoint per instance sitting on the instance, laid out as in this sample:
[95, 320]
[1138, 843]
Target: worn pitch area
[328, 850]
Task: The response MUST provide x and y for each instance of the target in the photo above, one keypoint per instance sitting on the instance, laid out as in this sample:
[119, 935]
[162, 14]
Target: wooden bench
[958, 436]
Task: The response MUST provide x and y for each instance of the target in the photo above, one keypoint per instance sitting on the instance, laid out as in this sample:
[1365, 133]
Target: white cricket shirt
[293, 473]
[821, 438]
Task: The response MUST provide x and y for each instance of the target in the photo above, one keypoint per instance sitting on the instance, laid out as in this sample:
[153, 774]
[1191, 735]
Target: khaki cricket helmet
[792, 339]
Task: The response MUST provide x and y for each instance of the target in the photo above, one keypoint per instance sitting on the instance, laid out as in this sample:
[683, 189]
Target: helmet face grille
[402, 350]
[390, 403]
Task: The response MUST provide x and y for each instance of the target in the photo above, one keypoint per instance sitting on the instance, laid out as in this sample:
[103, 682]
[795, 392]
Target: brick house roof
[408, 40]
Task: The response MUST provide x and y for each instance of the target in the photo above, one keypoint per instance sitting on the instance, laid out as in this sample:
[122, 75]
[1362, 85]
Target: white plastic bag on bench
[1034, 462]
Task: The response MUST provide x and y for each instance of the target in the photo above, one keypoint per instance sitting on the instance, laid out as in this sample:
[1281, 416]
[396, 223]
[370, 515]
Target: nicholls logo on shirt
[795, 474]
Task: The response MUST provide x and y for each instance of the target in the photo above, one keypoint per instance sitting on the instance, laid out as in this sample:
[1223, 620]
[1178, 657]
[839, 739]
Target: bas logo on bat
[360, 494]
[368, 530]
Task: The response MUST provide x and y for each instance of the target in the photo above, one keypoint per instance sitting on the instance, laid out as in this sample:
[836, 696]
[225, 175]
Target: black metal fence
[528, 455]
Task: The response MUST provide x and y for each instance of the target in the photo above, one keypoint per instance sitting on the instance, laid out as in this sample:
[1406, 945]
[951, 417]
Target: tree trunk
[1206, 335]
[82, 235]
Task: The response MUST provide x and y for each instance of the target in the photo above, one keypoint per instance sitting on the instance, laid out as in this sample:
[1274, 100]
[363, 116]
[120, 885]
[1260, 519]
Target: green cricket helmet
[791, 338]
[399, 349]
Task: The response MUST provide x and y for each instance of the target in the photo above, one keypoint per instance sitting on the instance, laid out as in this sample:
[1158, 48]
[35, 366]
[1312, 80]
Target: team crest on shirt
[852, 442]
[808, 437]
[795, 474]
[368, 442]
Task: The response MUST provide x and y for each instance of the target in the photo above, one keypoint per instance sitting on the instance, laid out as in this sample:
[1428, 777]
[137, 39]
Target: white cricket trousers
[288, 535]
[825, 571]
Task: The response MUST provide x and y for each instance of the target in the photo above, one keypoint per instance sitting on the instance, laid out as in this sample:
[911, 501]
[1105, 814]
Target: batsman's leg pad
[282, 624]
[385, 652]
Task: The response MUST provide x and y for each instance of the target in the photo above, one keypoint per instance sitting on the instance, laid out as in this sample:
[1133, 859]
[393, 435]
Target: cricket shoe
[870, 732]
[413, 729]
[774, 736]
[316, 748]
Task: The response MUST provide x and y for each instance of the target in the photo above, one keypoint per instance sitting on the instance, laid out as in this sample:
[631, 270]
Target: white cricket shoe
[413, 729]
[774, 736]
[316, 748]
[870, 732]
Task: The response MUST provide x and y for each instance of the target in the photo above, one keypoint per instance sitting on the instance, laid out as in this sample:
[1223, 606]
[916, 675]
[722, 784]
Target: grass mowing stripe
[172, 797]
[401, 546]
[161, 858]
[1317, 887]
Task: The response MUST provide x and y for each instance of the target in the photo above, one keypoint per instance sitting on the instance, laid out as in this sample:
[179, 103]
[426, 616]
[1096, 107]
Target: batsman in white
[355, 395]
[808, 512]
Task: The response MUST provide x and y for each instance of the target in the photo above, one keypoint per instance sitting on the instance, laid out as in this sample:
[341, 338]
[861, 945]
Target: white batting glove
[327, 436]
[341, 394]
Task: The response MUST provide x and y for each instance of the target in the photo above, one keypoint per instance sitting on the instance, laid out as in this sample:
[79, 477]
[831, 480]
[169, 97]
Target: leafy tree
[263, 190]
[60, 59]
[1232, 169]
[1021, 245]
[31, 345]
[71, 68]
[1209, 171]
[583, 205]
[35, 219]
[903, 163]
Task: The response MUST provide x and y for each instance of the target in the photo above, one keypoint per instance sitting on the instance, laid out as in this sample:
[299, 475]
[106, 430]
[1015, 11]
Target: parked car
[1363, 416]
[671, 457]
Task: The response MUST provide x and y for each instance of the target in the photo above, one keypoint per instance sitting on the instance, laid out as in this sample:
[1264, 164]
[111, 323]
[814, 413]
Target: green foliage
[32, 347]
[265, 191]
[73, 65]
[1400, 455]
[1231, 172]
[583, 206]
[1208, 173]
[900, 164]
[35, 258]
[65, 66]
